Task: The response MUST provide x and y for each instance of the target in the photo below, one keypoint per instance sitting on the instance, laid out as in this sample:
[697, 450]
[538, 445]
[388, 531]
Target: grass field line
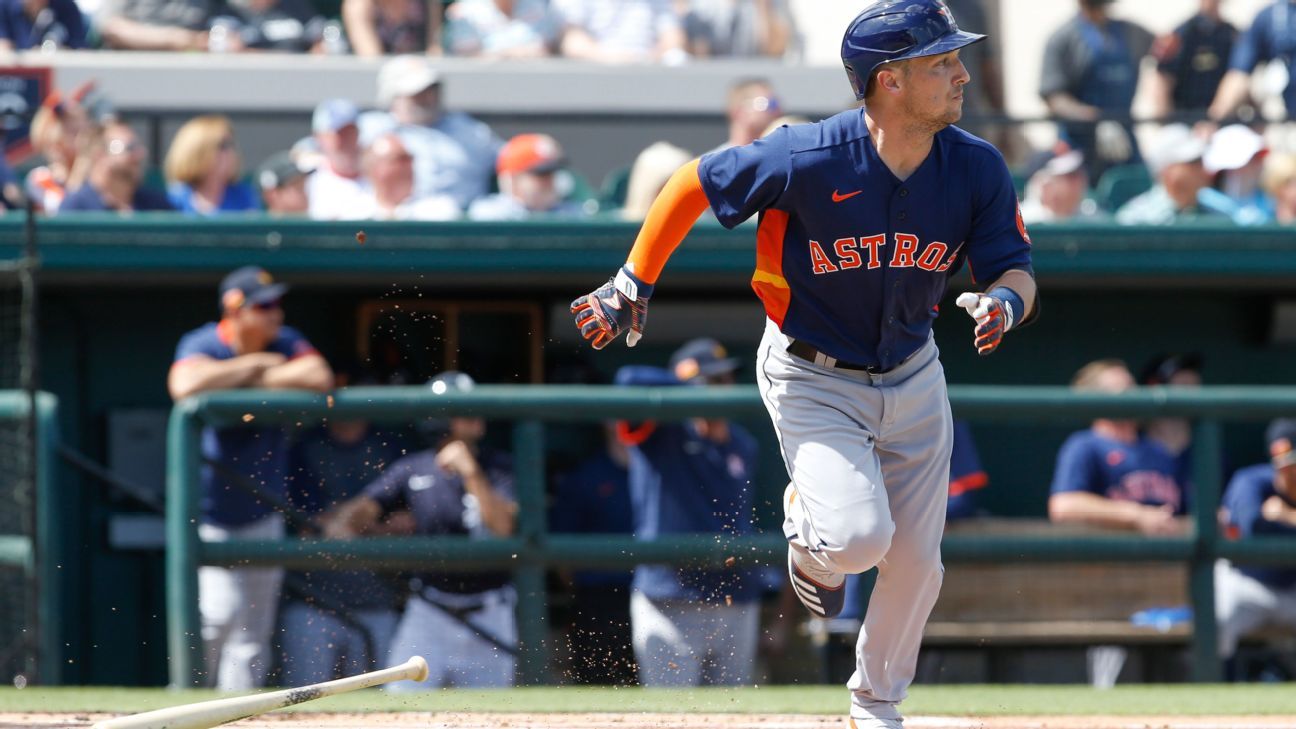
[949, 701]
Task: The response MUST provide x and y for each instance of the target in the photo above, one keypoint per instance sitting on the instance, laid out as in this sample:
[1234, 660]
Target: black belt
[808, 353]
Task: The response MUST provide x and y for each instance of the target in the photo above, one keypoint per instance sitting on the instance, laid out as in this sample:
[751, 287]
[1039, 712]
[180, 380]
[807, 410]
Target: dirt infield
[453, 720]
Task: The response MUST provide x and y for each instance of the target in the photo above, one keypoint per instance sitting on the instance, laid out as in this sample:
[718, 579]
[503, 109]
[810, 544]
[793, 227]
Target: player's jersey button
[902, 215]
[904, 192]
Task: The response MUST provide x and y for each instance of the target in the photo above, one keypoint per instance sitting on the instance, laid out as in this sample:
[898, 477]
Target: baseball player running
[863, 218]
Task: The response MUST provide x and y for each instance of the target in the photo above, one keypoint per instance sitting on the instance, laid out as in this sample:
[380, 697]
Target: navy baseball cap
[250, 285]
[1280, 436]
[702, 357]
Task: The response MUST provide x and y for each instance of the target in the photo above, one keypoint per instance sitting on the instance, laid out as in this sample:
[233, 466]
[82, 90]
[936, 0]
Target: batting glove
[993, 316]
[614, 307]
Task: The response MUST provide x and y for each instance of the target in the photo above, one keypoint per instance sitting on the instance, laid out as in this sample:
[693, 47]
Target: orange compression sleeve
[678, 206]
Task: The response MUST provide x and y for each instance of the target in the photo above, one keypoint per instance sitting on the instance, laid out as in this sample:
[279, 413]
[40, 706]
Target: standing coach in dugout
[248, 348]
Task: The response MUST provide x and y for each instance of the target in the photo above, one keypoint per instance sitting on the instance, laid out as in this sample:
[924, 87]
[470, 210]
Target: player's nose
[961, 75]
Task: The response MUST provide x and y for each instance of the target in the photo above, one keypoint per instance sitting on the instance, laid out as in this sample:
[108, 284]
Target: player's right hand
[619, 305]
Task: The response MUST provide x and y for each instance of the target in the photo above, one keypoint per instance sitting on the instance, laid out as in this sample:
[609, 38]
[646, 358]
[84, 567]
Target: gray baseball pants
[868, 455]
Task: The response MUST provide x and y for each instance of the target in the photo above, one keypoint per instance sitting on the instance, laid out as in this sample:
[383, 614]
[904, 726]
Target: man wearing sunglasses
[115, 177]
[248, 348]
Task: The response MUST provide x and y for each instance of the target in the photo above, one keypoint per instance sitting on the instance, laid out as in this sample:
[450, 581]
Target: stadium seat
[612, 193]
[1119, 185]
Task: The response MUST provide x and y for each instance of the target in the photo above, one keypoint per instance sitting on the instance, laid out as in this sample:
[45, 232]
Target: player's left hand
[992, 317]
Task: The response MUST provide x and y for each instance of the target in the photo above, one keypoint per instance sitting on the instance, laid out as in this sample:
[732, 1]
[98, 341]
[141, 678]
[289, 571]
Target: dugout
[117, 294]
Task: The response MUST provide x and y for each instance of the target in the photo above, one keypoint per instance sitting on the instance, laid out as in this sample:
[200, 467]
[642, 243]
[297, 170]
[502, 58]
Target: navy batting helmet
[892, 30]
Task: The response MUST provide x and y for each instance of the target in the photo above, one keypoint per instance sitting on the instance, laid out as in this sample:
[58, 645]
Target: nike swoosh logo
[838, 197]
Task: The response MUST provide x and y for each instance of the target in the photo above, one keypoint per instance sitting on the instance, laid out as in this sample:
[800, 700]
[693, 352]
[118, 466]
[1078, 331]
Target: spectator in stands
[44, 24]
[501, 28]
[1235, 156]
[292, 26]
[247, 466]
[393, 27]
[1269, 41]
[202, 169]
[629, 31]
[339, 623]
[1175, 160]
[454, 154]
[1110, 475]
[751, 107]
[389, 169]
[594, 498]
[738, 28]
[1090, 72]
[984, 94]
[160, 25]
[691, 626]
[335, 188]
[114, 180]
[528, 167]
[1191, 61]
[283, 185]
[1057, 187]
[1279, 181]
[461, 622]
[64, 130]
[648, 175]
[1174, 434]
[1260, 501]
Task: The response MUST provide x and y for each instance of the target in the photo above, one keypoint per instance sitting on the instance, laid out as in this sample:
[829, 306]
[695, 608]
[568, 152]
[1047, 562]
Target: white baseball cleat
[816, 589]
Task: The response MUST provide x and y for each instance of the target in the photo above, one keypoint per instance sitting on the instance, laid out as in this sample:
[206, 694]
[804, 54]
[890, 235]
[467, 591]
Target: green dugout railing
[41, 553]
[533, 549]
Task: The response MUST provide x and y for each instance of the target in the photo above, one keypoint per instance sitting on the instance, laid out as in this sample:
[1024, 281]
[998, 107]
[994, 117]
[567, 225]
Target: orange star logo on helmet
[265, 278]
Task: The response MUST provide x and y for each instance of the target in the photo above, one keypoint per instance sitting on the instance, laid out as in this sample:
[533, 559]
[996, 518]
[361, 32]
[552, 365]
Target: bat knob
[420, 667]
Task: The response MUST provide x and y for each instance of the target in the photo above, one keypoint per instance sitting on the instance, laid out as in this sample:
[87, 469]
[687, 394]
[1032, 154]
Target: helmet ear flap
[861, 90]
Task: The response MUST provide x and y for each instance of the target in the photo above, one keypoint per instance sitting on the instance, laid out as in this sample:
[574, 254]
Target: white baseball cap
[404, 76]
[1232, 147]
[1173, 144]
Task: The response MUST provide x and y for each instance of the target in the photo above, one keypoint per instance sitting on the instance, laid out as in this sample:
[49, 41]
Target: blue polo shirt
[240, 197]
[63, 25]
[259, 454]
[1141, 471]
[440, 505]
[1272, 36]
[1247, 491]
[852, 259]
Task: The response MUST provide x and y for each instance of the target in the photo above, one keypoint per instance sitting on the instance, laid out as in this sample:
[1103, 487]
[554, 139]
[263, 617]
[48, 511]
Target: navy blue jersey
[258, 453]
[1249, 488]
[324, 472]
[594, 499]
[1142, 471]
[848, 257]
[440, 505]
[683, 483]
[1271, 36]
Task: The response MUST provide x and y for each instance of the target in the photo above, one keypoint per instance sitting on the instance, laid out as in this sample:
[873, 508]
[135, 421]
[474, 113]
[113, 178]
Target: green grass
[1176, 700]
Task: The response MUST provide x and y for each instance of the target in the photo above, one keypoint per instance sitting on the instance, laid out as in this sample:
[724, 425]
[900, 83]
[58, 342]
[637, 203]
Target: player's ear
[889, 77]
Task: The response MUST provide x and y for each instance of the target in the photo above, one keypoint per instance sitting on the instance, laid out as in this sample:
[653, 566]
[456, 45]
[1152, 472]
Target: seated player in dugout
[461, 622]
[1113, 475]
[864, 217]
[1260, 501]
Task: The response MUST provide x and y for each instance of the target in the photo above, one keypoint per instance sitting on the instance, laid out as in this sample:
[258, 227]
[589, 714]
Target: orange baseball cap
[537, 153]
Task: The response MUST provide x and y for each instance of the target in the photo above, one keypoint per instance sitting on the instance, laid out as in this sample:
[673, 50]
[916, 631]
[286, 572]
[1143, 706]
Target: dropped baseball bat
[221, 711]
